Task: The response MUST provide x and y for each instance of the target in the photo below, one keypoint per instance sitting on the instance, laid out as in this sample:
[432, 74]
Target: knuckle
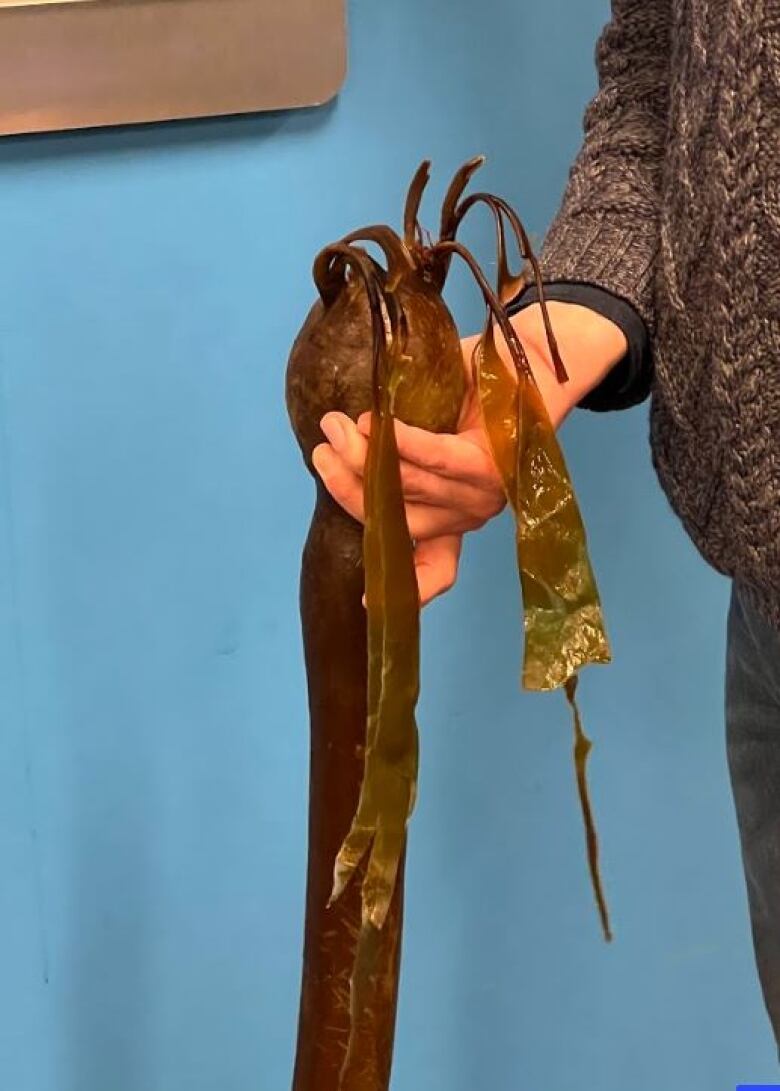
[490, 505]
[439, 463]
[410, 478]
[440, 455]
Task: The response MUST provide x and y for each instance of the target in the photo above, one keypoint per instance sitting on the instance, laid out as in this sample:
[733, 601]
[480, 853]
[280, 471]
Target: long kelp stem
[334, 626]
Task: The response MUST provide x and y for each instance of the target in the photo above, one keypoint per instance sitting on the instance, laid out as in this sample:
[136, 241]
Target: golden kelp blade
[564, 627]
[390, 779]
[564, 623]
[393, 608]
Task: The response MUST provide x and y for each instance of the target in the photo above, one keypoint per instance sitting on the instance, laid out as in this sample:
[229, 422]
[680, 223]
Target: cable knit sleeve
[606, 231]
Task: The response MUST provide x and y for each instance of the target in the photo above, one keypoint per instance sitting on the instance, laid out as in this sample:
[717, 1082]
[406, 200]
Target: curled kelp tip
[399, 260]
[457, 186]
[412, 229]
[448, 224]
[582, 749]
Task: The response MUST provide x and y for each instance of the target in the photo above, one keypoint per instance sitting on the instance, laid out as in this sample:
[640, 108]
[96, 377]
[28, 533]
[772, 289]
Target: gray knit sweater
[673, 206]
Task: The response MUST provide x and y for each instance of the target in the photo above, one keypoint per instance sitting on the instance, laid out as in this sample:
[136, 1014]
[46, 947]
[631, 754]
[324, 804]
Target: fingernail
[364, 423]
[334, 430]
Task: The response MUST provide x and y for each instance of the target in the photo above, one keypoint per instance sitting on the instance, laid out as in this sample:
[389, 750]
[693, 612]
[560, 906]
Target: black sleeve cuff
[629, 382]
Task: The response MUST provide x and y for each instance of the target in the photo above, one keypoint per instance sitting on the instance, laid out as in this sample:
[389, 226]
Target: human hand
[450, 482]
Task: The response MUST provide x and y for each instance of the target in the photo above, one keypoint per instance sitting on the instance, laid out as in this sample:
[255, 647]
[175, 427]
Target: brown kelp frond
[412, 230]
[495, 310]
[331, 268]
[439, 266]
[564, 626]
[548, 516]
[509, 285]
[582, 749]
[533, 261]
[392, 606]
[500, 209]
[453, 195]
[399, 259]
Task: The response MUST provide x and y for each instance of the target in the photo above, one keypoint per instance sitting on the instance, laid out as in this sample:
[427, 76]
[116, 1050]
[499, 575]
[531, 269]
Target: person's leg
[753, 746]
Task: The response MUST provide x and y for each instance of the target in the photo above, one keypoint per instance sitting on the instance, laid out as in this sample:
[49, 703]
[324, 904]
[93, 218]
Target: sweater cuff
[629, 382]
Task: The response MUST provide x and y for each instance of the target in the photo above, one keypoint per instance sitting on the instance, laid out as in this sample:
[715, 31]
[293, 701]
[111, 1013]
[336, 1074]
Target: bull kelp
[381, 339]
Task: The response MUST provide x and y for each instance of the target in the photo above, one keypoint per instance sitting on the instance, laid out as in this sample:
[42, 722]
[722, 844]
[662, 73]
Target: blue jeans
[753, 748]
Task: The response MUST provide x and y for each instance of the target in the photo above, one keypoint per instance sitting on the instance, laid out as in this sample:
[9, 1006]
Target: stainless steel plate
[68, 64]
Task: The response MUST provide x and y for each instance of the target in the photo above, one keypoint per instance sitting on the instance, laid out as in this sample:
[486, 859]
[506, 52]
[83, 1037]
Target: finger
[341, 482]
[436, 564]
[424, 520]
[461, 457]
[424, 487]
[419, 485]
[345, 439]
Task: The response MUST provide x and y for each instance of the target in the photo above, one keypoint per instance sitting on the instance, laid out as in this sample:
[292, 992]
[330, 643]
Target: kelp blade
[582, 749]
[392, 606]
[391, 761]
[564, 626]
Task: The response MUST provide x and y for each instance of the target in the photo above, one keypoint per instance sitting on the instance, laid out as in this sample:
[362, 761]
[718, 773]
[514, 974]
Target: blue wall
[153, 743]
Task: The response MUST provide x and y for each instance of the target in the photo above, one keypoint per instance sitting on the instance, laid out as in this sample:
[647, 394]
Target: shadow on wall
[169, 136]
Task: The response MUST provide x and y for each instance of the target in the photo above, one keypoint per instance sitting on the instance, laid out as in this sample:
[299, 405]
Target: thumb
[436, 565]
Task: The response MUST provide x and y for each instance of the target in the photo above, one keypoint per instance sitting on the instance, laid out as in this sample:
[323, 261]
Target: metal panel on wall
[83, 63]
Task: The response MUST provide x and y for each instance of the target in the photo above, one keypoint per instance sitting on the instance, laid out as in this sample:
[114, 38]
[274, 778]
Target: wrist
[590, 346]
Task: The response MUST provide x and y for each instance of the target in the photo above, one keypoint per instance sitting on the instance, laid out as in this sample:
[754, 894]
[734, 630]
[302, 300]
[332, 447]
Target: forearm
[606, 232]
